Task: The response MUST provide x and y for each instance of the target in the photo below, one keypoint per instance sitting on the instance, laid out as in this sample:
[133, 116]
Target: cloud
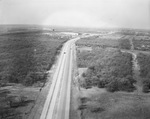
[122, 13]
[74, 18]
[22, 12]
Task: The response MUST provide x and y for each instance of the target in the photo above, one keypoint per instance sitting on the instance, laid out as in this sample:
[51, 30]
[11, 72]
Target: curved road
[57, 105]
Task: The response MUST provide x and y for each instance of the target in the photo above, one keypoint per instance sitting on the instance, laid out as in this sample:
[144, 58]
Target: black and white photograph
[74, 59]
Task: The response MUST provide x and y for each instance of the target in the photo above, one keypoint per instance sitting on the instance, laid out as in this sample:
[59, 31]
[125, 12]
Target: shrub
[112, 86]
[83, 75]
[111, 70]
[82, 107]
[120, 84]
[34, 77]
[24, 51]
[28, 81]
[146, 85]
[97, 109]
[145, 89]
[125, 44]
[13, 78]
[144, 62]
[131, 79]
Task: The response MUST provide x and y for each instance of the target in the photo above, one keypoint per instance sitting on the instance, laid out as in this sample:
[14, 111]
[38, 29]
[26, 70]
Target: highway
[57, 104]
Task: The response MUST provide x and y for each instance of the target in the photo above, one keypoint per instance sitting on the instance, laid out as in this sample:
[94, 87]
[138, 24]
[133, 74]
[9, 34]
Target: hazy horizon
[133, 14]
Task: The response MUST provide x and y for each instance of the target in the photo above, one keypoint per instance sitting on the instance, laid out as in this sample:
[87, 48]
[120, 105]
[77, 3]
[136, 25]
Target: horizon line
[78, 26]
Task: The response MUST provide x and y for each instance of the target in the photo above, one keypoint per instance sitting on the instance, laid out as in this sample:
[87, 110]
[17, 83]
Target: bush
[28, 81]
[125, 44]
[83, 75]
[111, 70]
[144, 62]
[13, 78]
[97, 110]
[34, 77]
[145, 89]
[82, 107]
[25, 51]
[112, 86]
[131, 79]
[120, 84]
[146, 85]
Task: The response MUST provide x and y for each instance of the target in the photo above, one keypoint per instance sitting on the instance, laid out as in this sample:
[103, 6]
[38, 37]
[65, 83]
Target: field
[141, 43]
[25, 57]
[107, 68]
[100, 41]
[108, 84]
[99, 104]
[124, 43]
[144, 63]
[111, 40]
[26, 54]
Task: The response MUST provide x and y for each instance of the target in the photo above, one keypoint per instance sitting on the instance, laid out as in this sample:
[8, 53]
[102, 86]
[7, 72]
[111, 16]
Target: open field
[124, 43]
[100, 41]
[17, 101]
[107, 68]
[141, 43]
[26, 55]
[99, 104]
[108, 40]
[144, 63]
[111, 69]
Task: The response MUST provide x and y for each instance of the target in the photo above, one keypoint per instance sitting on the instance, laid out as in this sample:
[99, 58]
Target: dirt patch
[87, 104]
[17, 101]
[136, 73]
[100, 104]
[81, 71]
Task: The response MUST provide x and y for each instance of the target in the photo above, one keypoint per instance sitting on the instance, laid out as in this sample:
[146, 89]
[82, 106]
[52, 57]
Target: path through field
[136, 68]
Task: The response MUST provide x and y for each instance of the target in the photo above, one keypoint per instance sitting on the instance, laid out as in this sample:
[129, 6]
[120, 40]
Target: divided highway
[57, 105]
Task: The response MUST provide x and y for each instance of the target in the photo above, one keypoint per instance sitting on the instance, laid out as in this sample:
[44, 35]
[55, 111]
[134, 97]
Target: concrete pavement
[57, 105]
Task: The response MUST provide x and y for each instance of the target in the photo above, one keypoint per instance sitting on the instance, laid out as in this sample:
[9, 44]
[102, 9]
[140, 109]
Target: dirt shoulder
[43, 92]
[40, 101]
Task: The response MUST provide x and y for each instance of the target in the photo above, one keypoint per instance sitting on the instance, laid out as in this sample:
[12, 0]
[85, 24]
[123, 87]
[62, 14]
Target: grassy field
[107, 68]
[99, 104]
[100, 41]
[141, 43]
[144, 63]
[26, 56]
[110, 69]
[124, 43]
[104, 41]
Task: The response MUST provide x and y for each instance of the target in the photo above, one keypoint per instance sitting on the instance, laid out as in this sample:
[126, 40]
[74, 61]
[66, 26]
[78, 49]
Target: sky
[77, 13]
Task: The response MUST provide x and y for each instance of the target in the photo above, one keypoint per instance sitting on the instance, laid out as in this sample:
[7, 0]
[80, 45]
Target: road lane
[57, 105]
[54, 82]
